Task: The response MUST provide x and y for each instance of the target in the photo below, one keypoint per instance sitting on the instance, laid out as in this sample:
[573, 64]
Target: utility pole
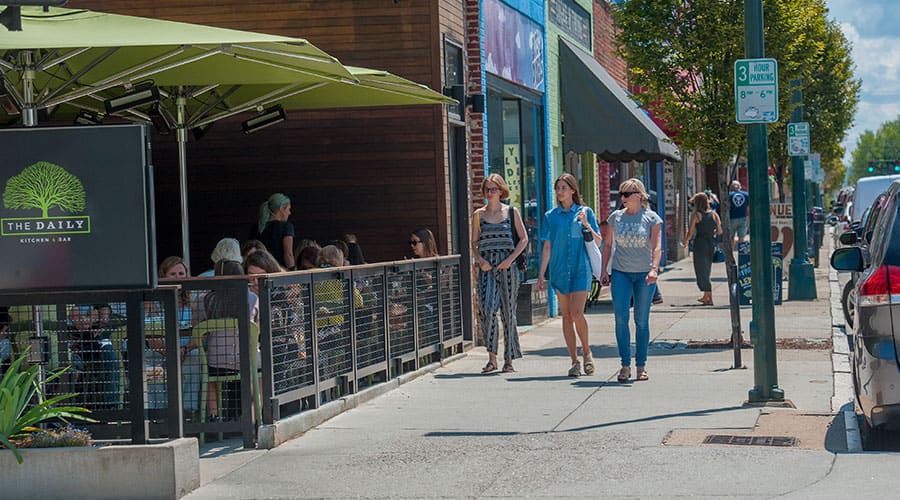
[762, 327]
[801, 275]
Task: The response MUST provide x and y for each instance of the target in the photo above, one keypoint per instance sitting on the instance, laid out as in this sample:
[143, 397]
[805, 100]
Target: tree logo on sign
[44, 185]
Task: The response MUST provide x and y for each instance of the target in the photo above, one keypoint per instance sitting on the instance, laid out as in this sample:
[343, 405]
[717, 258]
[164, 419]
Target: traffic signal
[896, 165]
[871, 167]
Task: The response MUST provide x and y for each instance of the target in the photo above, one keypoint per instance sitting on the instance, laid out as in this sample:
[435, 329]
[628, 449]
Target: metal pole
[801, 275]
[29, 111]
[181, 132]
[762, 328]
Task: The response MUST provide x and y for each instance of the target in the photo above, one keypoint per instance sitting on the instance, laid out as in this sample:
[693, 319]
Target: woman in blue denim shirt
[570, 270]
[635, 266]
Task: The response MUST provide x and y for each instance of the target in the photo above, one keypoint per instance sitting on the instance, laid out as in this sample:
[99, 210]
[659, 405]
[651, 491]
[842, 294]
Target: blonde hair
[499, 181]
[634, 184]
[269, 207]
[330, 255]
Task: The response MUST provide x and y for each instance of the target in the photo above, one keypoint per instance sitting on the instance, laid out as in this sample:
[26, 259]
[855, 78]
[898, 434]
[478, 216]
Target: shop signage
[513, 46]
[745, 280]
[512, 173]
[572, 19]
[782, 227]
[77, 209]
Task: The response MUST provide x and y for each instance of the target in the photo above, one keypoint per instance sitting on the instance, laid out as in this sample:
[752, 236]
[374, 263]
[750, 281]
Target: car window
[873, 214]
[889, 251]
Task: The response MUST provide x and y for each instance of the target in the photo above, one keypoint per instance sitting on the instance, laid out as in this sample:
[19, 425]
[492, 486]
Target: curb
[840, 368]
[272, 435]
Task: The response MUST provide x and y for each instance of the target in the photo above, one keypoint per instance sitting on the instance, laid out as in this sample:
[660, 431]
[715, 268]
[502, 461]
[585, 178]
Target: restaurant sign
[77, 209]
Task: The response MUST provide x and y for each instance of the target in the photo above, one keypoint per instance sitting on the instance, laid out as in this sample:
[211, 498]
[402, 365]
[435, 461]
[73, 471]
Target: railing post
[386, 302]
[353, 360]
[415, 314]
[265, 346]
[440, 308]
[174, 413]
[140, 427]
[237, 291]
[311, 299]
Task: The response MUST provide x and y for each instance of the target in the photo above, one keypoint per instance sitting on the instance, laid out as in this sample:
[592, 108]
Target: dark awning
[600, 116]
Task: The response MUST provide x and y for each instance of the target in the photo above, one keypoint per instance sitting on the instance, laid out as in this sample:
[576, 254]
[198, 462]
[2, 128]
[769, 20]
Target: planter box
[169, 470]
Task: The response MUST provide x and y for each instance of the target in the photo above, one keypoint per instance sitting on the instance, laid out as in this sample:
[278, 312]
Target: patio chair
[199, 334]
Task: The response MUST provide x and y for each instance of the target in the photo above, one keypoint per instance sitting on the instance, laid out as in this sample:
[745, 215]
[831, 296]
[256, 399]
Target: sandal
[589, 364]
[624, 374]
[642, 374]
[575, 371]
[508, 367]
[489, 367]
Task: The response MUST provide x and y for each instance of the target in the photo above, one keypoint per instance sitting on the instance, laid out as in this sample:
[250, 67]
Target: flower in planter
[23, 405]
[57, 438]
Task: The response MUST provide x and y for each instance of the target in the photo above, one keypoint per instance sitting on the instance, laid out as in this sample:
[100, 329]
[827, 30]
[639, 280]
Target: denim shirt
[562, 229]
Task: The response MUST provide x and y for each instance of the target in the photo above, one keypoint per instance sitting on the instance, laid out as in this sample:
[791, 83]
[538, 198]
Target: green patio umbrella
[64, 60]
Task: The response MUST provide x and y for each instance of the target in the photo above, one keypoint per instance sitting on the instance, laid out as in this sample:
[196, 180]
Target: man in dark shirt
[740, 201]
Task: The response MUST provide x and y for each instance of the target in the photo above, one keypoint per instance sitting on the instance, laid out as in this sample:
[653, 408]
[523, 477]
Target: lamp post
[762, 327]
[801, 276]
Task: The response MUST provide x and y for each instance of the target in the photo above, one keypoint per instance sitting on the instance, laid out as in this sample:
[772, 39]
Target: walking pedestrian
[704, 227]
[570, 270]
[498, 278]
[737, 214]
[635, 267]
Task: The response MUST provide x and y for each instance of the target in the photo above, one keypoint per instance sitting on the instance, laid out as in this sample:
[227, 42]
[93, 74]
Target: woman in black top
[705, 225]
[275, 232]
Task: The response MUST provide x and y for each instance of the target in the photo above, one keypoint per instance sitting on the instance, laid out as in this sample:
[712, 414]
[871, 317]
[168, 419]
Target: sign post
[756, 110]
[801, 274]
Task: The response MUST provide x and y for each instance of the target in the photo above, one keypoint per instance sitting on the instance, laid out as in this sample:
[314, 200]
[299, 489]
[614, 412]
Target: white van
[867, 189]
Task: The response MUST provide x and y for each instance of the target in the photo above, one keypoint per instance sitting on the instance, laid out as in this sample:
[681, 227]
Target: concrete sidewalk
[458, 434]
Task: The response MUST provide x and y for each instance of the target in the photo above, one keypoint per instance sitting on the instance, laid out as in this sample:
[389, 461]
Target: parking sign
[756, 90]
[798, 139]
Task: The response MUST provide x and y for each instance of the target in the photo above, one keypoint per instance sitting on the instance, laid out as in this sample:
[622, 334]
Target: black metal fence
[176, 361]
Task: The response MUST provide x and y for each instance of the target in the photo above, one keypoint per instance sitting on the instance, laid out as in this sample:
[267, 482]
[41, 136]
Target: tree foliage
[878, 146]
[682, 53]
[44, 185]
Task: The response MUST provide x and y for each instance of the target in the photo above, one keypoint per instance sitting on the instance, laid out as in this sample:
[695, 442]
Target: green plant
[23, 405]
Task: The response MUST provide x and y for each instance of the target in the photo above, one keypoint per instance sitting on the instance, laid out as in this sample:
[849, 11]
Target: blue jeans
[624, 287]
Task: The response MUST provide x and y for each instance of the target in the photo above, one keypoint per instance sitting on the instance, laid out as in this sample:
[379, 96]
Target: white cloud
[868, 25]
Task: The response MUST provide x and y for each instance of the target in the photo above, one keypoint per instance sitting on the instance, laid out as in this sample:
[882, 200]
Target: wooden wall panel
[377, 172]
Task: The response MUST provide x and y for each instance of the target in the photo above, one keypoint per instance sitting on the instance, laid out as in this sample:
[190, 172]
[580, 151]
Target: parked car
[876, 329]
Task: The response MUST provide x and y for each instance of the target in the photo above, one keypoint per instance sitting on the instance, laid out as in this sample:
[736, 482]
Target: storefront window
[515, 151]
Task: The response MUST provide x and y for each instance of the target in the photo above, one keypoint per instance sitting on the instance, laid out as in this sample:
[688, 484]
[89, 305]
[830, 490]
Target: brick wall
[605, 43]
[475, 86]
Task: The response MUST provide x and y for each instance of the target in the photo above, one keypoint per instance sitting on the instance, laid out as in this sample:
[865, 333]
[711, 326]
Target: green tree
[876, 147]
[682, 53]
[44, 185]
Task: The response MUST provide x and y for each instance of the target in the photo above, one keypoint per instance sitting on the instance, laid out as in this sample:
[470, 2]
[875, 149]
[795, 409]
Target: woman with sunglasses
[422, 243]
[570, 270]
[635, 266]
[498, 279]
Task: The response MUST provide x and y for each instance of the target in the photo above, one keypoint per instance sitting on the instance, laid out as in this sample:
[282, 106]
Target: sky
[871, 28]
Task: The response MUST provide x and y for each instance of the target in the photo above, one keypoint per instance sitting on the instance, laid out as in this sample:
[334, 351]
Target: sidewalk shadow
[607, 351]
[694, 413]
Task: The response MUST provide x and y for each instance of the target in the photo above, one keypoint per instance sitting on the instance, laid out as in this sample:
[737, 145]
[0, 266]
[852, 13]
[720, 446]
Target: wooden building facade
[376, 172]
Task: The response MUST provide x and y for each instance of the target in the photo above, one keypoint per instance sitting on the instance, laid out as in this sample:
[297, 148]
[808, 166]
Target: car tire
[849, 310]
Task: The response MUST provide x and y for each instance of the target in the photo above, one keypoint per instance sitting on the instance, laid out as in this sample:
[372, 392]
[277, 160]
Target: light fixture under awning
[601, 117]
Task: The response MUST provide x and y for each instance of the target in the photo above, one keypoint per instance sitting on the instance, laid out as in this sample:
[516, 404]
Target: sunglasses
[626, 194]
[491, 190]
[414, 242]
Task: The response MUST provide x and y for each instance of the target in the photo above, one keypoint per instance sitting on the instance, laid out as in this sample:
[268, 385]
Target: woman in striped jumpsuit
[498, 277]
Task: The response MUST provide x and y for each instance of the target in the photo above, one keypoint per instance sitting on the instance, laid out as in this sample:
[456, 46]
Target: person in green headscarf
[275, 232]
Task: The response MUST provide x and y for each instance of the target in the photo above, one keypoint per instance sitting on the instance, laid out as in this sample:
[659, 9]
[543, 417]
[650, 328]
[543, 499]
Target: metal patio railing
[158, 363]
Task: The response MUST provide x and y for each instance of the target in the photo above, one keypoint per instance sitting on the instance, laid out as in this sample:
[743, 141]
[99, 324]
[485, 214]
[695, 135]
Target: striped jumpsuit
[498, 289]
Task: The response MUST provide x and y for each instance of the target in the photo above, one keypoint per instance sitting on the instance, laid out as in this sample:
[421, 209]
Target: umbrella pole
[182, 177]
[29, 112]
